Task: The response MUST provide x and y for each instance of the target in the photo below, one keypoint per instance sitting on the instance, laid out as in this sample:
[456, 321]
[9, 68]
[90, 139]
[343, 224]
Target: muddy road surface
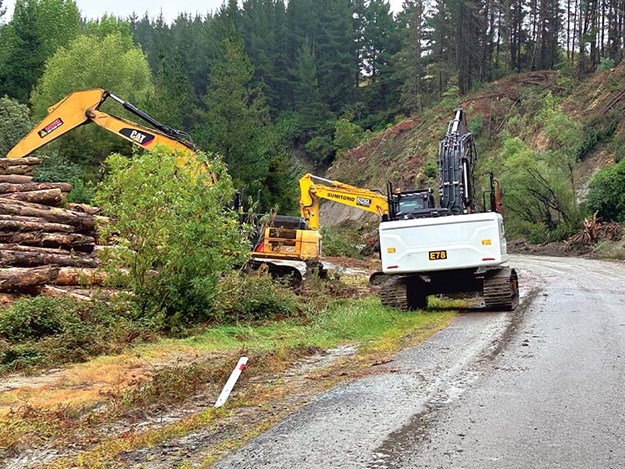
[543, 387]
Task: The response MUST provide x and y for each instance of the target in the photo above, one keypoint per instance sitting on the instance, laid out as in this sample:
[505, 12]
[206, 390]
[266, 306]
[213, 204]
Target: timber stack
[45, 243]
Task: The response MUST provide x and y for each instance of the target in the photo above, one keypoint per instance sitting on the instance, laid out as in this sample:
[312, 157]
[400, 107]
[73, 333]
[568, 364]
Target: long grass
[362, 322]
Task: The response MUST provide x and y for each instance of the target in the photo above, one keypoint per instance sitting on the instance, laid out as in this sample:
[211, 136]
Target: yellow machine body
[291, 244]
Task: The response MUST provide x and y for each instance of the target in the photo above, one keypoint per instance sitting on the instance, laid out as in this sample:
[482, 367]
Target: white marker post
[225, 392]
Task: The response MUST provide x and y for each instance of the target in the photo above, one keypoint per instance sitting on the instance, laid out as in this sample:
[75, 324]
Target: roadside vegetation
[177, 311]
[150, 371]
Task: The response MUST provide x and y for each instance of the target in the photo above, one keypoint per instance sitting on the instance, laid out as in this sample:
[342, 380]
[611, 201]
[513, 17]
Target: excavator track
[405, 293]
[394, 293]
[501, 289]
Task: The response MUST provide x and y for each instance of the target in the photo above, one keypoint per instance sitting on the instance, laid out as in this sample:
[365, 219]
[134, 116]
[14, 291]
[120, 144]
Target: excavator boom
[313, 188]
[82, 107]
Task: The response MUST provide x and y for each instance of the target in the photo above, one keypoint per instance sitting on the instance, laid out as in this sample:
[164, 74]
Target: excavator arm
[82, 107]
[313, 188]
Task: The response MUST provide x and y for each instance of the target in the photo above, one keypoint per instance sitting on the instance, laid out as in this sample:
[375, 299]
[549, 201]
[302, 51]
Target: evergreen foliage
[299, 67]
[38, 28]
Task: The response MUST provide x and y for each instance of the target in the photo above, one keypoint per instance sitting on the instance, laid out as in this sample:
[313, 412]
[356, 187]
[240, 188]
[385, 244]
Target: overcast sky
[95, 8]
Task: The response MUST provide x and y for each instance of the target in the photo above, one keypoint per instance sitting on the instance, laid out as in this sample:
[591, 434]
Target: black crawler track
[499, 286]
[394, 293]
[501, 289]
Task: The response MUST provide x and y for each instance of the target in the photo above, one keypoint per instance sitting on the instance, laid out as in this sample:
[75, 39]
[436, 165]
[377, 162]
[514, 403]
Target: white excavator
[452, 248]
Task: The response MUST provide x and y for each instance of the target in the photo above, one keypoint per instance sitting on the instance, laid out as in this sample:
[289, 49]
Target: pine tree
[443, 45]
[334, 49]
[409, 61]
[237, 117]
[309, 105]
[382, 42]
[38, 28]
[174, 104]
[25, 60]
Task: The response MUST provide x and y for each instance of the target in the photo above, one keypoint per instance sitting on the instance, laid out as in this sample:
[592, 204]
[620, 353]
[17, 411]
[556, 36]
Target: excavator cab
[410, 204]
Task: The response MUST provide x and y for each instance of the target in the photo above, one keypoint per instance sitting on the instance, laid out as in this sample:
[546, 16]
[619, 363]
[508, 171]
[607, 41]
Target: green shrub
[598, 129]
[37, 318]
[611, 249]
[606, 193]
[347, 135]
[56, 168]
[617, 146]
[430, 169]
[176, 235]
[320, 149]
[20, 357]
[538, 195]
[605, 64]
[338, 242]
[253, 296]
[53, 331]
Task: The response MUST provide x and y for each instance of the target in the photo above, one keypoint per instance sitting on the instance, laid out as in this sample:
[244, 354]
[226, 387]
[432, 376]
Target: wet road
[541, 388]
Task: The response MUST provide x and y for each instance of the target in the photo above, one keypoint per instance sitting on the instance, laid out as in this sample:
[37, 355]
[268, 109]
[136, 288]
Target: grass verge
[376, 331]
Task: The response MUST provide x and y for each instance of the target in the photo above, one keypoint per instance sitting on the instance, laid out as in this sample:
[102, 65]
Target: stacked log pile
[44, 242]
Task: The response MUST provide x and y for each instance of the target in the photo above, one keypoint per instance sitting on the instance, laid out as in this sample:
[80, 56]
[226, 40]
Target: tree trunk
[18, 279]
[15, 179]
[7, 188]
[24, 279]
[21, 224]
[82, 221]
[51, 197]
[23, 170]
[77, 276]
[26, 161]
[33, 256]
[69, 241]
[84, 208]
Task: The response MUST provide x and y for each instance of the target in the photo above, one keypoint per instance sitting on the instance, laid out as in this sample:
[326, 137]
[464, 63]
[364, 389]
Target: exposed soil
[559, 249]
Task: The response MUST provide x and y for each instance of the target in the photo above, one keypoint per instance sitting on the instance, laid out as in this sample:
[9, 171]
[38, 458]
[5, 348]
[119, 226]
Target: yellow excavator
[82, 107]
[293, 244]
[287, 246]
[286, 243]
[313, 188]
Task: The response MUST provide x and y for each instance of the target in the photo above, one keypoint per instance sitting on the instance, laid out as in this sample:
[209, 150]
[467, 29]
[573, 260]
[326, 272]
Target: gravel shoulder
[350, 425]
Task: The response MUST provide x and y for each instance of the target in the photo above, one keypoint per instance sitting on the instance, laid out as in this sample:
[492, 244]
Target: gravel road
[540, 388]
